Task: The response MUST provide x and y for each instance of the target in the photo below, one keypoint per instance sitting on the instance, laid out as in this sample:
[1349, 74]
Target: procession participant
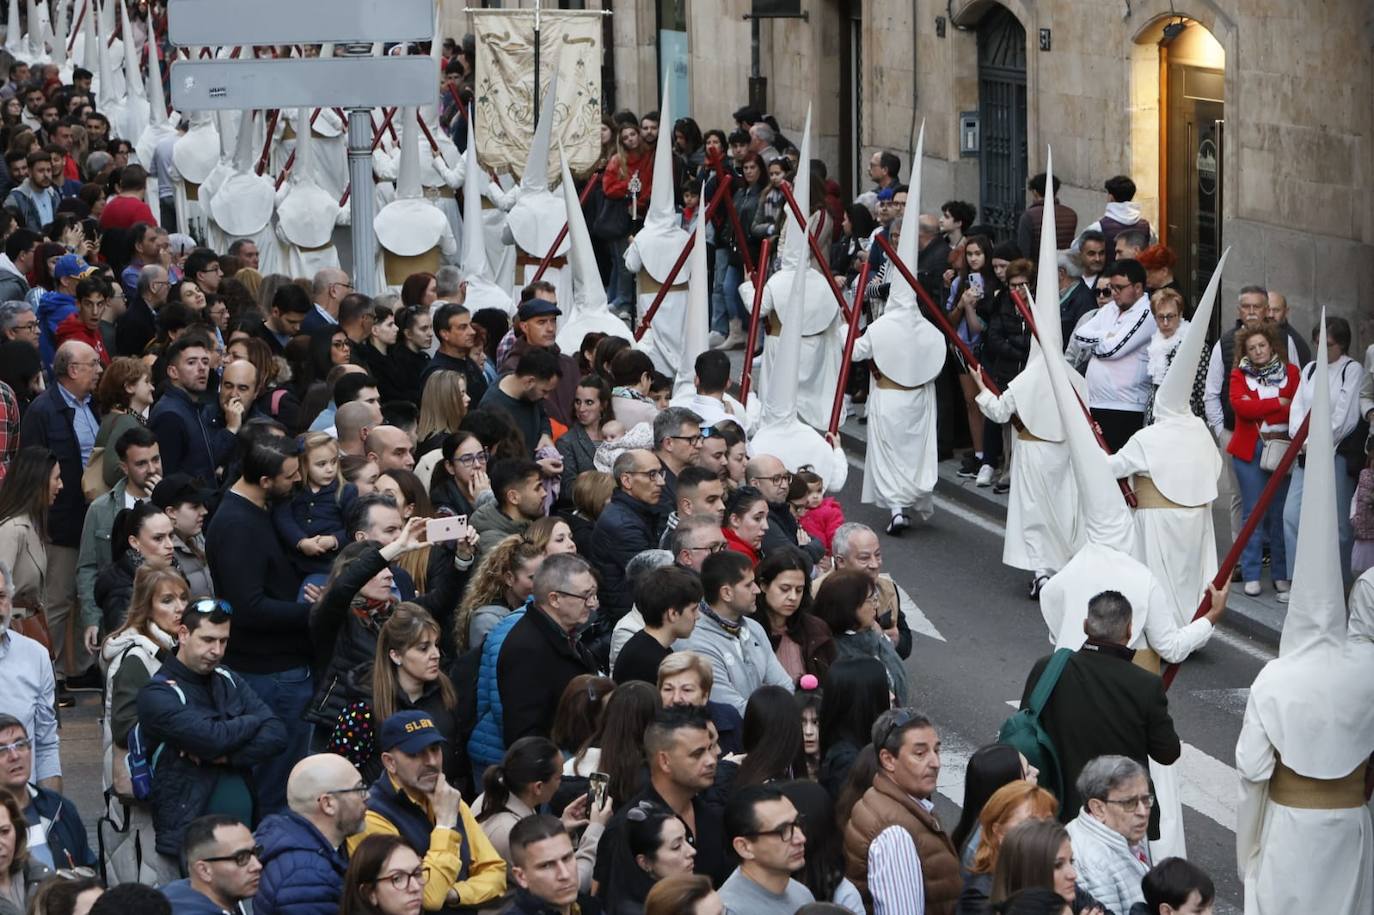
[439, 180]
[328, 133]
[587, 310]
[907, 352]
[481, 288]
[1042, 509]
[780, 431]
[160, 128]
[651, 255]
[194, 155]
[306, 216]
[413, 235]
[1308, 733]
[822, 326]
[243, 203]
[1174, 466]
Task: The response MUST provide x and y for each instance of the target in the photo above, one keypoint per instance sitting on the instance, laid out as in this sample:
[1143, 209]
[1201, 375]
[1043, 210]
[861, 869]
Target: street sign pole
[362, 202]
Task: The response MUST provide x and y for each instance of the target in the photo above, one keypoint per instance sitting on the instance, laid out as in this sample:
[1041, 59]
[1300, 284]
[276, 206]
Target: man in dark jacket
[536, 327]
[223, 866]
[302, 866]
[194, 441]
[1104, 705]
[136, 328]
[64, 420]
[628, 525]
[205, 729]
[64, 842]
[545, 641]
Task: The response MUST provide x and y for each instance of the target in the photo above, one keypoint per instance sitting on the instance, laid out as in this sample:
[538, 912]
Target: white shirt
[1118, 378]
[1345, 376]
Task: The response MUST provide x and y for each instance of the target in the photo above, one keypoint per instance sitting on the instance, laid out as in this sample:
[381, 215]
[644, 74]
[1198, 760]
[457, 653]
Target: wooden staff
[822, 261]
[267, 147]
[849, 342]
[1228, 565]
[747, 373]
[376, 141]
[291, 159]
[563, 232]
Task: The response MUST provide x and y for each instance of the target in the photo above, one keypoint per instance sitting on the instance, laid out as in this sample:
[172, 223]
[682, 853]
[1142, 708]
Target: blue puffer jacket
[186, 901]
[487, 745]
[301, 874]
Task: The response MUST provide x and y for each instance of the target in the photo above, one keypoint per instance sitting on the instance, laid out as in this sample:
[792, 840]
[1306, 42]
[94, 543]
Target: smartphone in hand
[440, 530]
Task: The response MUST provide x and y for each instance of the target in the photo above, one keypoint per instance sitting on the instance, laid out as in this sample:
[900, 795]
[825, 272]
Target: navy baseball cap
[409, 732]
[537, 308]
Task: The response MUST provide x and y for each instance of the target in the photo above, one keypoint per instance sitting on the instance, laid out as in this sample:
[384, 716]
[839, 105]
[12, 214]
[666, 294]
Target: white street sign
[264, 22]
[337, 82]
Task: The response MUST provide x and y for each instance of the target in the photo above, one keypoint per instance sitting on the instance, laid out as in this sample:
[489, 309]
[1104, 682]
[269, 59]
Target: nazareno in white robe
[1042, 531]
[663, 340]
[900, 462]
[821, 353]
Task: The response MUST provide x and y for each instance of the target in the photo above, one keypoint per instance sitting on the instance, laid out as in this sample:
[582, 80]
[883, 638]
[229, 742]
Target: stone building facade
[1246, 123]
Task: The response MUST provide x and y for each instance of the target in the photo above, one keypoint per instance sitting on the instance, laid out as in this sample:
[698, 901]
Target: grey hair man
[856, 546]
[1109, 834]
[1076, 300]
[565, 594]
[327, 290]
[677, 442]
[27, 690]
[18, 322]
[448, 285]
[761, 140]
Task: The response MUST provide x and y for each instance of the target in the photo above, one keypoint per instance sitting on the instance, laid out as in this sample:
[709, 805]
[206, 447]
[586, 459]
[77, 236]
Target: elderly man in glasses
[1109, 845]
[62, 843]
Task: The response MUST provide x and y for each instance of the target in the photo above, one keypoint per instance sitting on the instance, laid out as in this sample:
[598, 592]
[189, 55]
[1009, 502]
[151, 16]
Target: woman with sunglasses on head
[655, 846]
[385, 877]
[128, 659]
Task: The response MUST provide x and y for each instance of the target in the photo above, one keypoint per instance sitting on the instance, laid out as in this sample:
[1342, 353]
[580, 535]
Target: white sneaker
[737, 337]
[984, 477]
[715, 340]
[1252, 588]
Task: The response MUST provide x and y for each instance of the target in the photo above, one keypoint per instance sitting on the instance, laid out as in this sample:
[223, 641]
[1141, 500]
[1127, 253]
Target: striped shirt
[894, 872]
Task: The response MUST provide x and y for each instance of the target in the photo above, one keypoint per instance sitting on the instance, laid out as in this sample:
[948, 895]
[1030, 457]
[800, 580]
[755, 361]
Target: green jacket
[95, 549]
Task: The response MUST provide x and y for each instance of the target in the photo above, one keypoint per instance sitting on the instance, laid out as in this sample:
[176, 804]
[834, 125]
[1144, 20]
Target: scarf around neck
[1273, 373]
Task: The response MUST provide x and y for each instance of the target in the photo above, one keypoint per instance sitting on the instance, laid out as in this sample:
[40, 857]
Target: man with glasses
[57, 836]
[896, 852]
[677, 444]
[856, 546]
[223, 866]
[203, 268]
[302, 867]
[667, 599]
[136, 328]
[327, 290]
[18, 322]
[736, 646]
[1109, 847]
[1116, 340]
[207, 728]
[628, 525]
[767, 835]
[1075, 299]
[544, 640]
[63, 418]
[772, 479]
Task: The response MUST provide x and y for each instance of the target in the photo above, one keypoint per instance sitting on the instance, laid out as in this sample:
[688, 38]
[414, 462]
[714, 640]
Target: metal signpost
[353, 79]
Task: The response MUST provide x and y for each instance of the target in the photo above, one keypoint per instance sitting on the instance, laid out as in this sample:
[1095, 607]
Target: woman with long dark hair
[30, 488]
[617, 747]
[847, 602]
[772, 738]
[579, 712]
[592, 408]
[525, 779]
[460, 476]
[655, 846]
[802, 642]
[823, 873]
[968, 308]
[856, 693]
[410, 355]
[989, 768]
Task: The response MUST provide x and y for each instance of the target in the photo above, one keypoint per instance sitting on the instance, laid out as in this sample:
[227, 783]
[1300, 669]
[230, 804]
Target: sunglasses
[1103, 291]
[901, 719]
[208, 605]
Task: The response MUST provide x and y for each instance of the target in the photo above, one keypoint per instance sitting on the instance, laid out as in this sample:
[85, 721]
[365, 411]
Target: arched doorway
[1002, 113]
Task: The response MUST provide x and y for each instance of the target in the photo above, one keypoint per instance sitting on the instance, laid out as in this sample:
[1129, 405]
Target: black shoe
[64, 698]
[1001, 487]
[898, 524]
[1036, 585]
[88, 682]
[969, 468]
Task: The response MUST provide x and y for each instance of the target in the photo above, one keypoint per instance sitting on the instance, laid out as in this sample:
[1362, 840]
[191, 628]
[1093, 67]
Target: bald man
[238, 388]
[302, 868]
[768, 474]
[1278, 313]
[353, 423]
[390, 448]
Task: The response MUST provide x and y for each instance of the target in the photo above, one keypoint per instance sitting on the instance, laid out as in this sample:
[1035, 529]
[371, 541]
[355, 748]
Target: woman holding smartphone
[970, 295]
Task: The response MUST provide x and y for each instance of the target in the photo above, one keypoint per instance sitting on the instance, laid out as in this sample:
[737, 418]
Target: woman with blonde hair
[443, 405]
[1008, 807]
[504, 580]
[406, 676]
[20, 872]
[1038, 853]
[128, 659]
[551, 535]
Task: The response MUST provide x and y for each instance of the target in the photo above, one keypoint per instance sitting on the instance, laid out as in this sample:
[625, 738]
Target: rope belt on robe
[1290, 789]
[1147, 495]
[650, 286]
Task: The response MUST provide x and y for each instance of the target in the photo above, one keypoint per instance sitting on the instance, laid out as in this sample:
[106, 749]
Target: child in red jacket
[818, 514]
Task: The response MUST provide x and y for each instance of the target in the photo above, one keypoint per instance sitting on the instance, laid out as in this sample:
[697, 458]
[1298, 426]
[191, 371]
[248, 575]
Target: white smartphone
[439, 530]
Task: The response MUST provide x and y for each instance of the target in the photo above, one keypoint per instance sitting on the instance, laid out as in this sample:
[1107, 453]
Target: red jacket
[1251, 410]
[822, 521]
[617, 186]
[71, 328]
[733, 542]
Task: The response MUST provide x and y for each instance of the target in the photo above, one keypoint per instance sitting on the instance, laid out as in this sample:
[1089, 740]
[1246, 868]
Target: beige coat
[25, 554]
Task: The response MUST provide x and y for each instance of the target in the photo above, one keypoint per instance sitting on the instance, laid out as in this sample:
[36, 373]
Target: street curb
[1245, 615]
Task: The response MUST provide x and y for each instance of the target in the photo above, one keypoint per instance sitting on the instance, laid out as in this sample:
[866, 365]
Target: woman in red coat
[627, 182]
[1262, 387]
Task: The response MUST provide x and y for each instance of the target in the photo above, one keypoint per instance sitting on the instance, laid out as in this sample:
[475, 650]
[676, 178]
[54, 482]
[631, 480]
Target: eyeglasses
[658, 474]
[900, 719]
[241, 858]
[590, 597]
[717, 547]
[19, 746]
[350, 286]
[27, 325]
[1166, 316]
[780, 479]
[1129, 804]
[403, 880]
[785, 831]
[208, 605]
[1120, 287]
[694, 440]
[356, 789]
[1103, 291]
[472, 460]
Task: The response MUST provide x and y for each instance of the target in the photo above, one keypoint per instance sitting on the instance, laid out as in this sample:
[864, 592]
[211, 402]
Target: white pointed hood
[59, 40]
[243, 204]
[696, 321]
[660, 242]
[794, 244]
[90, 34]
[1179, 449]
[106, 90]
[482, 288]
[14, 39]
[157, 100]
[306, 212]
[409, 225]
[430, 113]
[135, 103]
[539, 213]
[589, 310]
[196, 153]
[1316, 700]
[906, 347]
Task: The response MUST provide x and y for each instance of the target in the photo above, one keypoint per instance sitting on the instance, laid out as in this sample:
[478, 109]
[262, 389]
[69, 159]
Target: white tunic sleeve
[998, 409]
[1173, 643]
[863, 347]
[1255, 759]
[1130, 459]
